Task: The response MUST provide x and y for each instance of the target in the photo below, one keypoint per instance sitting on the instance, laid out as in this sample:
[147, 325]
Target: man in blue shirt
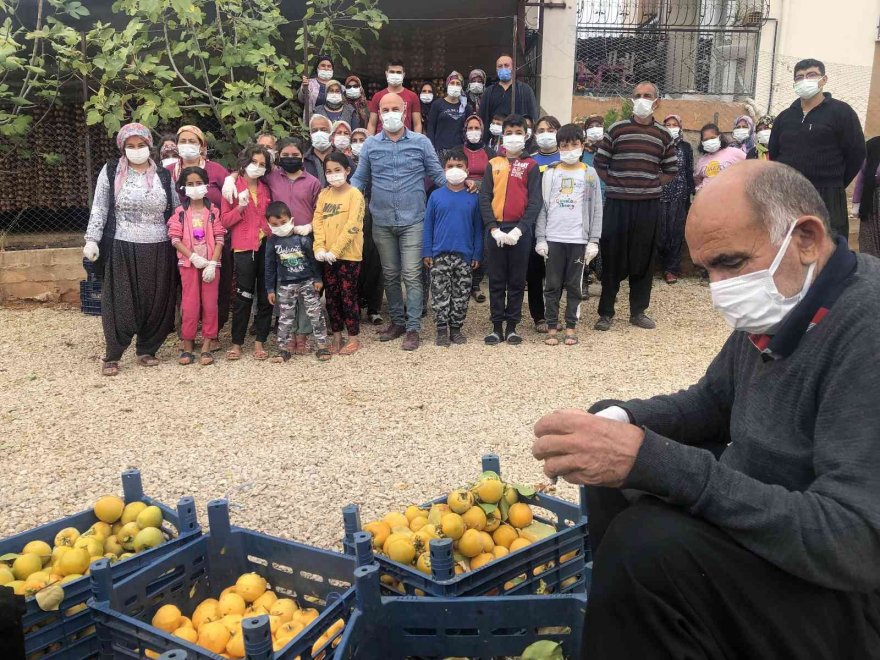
[394, 164]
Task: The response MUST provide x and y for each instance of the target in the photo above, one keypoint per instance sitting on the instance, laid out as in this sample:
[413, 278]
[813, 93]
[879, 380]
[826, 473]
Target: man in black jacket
[821, 138]
[498, 97]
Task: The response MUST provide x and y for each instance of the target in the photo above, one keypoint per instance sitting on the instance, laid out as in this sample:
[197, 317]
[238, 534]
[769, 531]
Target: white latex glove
[303, 230]
[542, 249]
[513, 236]
[500, 237]
[198, 261]
[228, 189]
[209, 271]
[329, 258]
[615, 413]
[243, 198]
[320, 255]
[855, 209]
[591, 252]
[91, 251]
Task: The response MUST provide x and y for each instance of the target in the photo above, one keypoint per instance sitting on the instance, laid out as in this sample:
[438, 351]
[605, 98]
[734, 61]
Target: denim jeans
[400, 251]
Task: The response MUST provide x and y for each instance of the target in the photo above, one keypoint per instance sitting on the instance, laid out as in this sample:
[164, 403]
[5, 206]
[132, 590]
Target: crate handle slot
[282, 567]
[257, 560]
[314, 577]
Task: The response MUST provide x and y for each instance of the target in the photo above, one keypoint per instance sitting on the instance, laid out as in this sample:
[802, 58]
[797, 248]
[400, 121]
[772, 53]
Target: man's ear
[810, 234]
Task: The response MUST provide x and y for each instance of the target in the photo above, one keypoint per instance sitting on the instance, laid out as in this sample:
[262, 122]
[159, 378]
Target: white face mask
[495, 129]
[196, 192]
[323, 74]
[595, 133]
[137, 156]
[321, 140]
[763, 136]
[168, 161]
[740, 134]
[571, 157]
[189, 151]
[806, 89]
[334, 98]
[514, 143]
[353, 92]
[453, 91]
[643, 108]
[254, 171]
[674, 131]
[752, 303]
[426, 97]
[336, 179]
[546, 140]
[476, 88]
[712, 145]
[283, 230]
[341, 142]
[356, 148]
[474, 136]
[392, 120]
[456, 175]
[394, 79]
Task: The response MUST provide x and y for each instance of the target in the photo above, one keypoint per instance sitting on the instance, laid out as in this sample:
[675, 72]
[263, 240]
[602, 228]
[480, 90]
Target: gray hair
[779, 195]
[648, 82]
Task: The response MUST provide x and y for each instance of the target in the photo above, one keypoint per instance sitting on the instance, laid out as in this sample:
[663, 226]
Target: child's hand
[319, 286]
[471, 186]
[271, 297]
[429, 263]
[475, 264]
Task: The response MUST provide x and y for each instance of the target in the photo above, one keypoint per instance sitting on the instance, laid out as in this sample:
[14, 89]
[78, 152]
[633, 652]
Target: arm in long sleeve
[596, 211]
[487, 193]
[318, 229]
[428, 231]
[828, 534]
[478, 234]
[535, 201]
[853, 144]
[484, 115]
[541, 222]
[362, 174]
[530, 103]
[433, 118]
[603, 156]
[100, 207]
[689, 170]
[271, 266]
[698, 176]
[230, 214]
[432, 166]
[859, 185]
[354, 223]
[773, 144]
[669, 164]
[175, 229]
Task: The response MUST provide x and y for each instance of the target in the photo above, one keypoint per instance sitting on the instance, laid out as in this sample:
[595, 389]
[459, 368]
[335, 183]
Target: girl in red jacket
[198, 236]
[245, 218]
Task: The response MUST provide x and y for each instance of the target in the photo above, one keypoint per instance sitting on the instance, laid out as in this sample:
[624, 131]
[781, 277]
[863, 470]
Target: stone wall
[50, 275]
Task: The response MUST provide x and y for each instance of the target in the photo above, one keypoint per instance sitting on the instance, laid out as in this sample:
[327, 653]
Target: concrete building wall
[50, 275]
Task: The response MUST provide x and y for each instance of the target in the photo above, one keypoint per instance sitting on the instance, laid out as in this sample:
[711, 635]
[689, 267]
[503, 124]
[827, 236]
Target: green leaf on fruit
[49, 599]
[525, 491]
[489, 474]
[543, 650]
[488, 508]
[9, 556]
[505, 507]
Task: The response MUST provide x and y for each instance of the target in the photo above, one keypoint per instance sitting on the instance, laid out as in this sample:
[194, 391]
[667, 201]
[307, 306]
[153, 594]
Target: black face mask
[290, 164]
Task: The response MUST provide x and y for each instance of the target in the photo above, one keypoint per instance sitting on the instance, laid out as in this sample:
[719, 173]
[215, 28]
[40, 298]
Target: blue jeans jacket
[395, 171]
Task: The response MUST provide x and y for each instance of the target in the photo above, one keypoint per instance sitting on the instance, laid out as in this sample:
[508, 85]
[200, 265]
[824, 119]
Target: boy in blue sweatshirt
[452, 245]
[293, 277]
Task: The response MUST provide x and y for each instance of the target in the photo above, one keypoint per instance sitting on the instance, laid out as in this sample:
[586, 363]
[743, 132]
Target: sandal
[300, 346]
[206, 358]
[147, 360]
[350, 348]
[571, 339]
[541, 327]
[283, 356]
[233, 354]
[185, 358]
[261, 356]
[323, 354]
[109, 368]
[552, 340]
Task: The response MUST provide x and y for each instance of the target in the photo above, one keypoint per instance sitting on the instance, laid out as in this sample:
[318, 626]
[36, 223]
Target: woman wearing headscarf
[675, 201]
[313, 91]
[354, 92]
[133, 200]
[744, 133]
[476, 87]
[446, 121]
[341, 137]
[335, 107]
[866, 200]
[762, 138]
[192, 151]
[478, 156]
[426, 100]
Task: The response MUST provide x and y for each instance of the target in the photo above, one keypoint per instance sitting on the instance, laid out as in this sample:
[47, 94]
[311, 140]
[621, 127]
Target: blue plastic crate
[203, 568]
[90, 297]
[472, 627]
[536, 569]
[60, 637]
[91, 270]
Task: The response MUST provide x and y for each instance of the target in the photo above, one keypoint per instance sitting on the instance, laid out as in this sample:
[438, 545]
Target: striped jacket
[632, 157]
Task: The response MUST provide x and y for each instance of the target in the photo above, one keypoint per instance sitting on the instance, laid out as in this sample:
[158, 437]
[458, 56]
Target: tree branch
[27, 84]
[174, 64]
[207, 79]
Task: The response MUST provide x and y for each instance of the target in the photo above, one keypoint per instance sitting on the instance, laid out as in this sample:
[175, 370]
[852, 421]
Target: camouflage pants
[289, 297]
[450, 289]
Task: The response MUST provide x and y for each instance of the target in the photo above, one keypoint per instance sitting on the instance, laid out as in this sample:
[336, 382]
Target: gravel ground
[290, 444]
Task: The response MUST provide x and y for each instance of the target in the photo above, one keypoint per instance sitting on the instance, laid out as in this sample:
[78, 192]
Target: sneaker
[411, 341]
[442, 336]
[478, 296]
[391, 332]
[642, 321]
[603, 324]
[375, 319]
[541, 327]
[456, 336]
[513, 339]
[492, 339]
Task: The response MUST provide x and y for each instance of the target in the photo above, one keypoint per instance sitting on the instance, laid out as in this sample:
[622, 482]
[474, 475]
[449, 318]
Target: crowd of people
[407, 194]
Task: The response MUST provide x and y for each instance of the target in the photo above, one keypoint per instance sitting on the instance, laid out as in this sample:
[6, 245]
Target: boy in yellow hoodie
[339, 243]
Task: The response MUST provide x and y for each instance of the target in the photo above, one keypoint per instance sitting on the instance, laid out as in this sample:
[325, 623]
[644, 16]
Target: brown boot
[391, 332]
[412, 341]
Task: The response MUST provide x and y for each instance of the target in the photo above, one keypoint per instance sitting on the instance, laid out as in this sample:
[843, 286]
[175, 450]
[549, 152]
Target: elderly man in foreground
[773, 549]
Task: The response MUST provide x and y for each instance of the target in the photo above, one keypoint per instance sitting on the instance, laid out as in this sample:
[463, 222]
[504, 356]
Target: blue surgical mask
[503, 74]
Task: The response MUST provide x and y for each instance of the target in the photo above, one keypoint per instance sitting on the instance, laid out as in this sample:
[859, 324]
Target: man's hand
[471, 186]
[475, 264]
[428, 261]
[586, 449]
[271, 297]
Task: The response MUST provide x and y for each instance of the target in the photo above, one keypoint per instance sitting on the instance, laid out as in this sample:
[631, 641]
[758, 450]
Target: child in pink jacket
[716, 155]
[197, 235]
